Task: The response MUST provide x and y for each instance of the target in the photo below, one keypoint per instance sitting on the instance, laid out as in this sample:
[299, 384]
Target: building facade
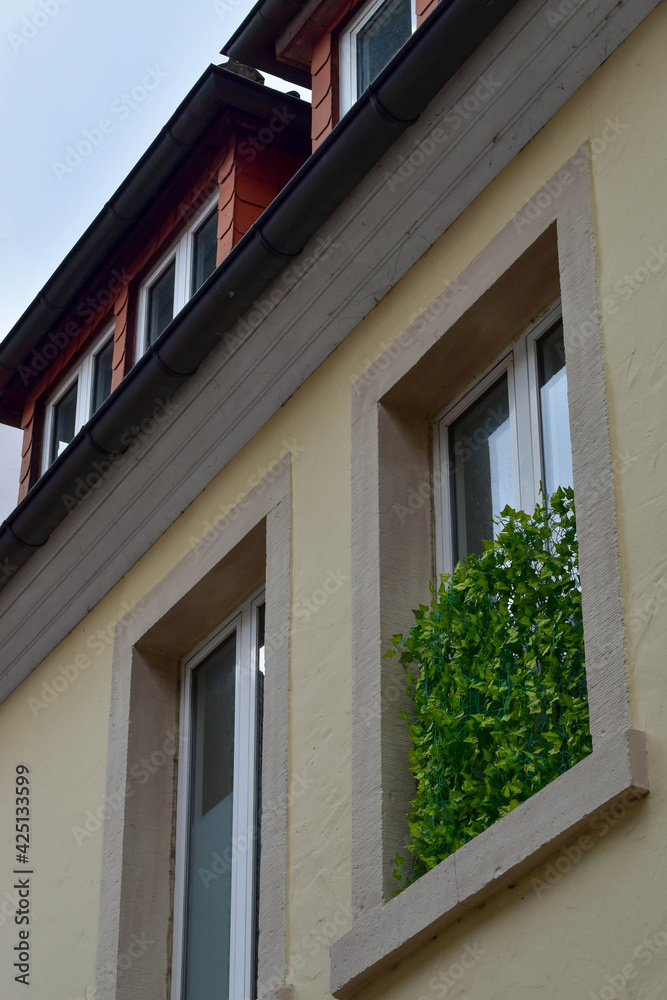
[249, 492]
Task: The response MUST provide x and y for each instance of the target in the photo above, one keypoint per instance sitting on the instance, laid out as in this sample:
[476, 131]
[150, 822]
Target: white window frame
[519, 363]
[244, 808]
[83, 376]
[181, 253]
[347, 79]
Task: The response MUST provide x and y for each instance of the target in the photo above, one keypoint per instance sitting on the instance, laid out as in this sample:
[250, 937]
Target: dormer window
[180, 273]
[371, 39]
[77, 400]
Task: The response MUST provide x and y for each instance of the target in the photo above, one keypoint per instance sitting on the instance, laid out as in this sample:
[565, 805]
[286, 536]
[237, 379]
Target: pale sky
[64, 66]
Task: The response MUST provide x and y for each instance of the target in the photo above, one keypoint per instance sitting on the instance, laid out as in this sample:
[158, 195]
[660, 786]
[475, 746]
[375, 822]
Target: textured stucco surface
[570, 927]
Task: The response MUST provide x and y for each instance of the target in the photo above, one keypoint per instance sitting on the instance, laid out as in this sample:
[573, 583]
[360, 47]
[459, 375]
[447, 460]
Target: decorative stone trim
[546, 251]
[251, 547]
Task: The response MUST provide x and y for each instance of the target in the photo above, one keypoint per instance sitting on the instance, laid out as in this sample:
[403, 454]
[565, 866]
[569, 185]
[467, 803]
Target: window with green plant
[496, 673]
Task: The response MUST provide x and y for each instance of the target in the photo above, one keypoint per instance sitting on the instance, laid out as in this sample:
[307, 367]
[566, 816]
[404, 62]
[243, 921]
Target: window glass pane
[64, 422]
[556, 450]
[258, 773]
[102, 375]
[204, 247]
[380, 38]
[480, 450]
[161, 304]
[212, 781]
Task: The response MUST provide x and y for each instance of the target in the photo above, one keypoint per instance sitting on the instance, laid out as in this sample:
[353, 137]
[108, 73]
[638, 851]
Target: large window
[76, 401]
[504, 431]
[217, 812]
[502, 439]
[180, 273]
[369, 42]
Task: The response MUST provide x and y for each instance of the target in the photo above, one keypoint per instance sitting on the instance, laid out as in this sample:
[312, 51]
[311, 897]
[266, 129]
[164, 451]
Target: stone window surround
[249, 548]
[547, 250]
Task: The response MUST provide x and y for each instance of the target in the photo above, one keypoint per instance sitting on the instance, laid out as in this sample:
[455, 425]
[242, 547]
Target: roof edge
[395, 100]
[216, 92]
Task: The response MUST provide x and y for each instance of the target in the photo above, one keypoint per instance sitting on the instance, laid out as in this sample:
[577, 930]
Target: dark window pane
[211, 814]
[554, 417]
[64, 422]
[204, 247]
[161, 304]
[102, 370]
[380, 38]
[480, 449]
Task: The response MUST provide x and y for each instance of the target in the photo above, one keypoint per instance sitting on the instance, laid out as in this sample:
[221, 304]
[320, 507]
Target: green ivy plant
[496, 674]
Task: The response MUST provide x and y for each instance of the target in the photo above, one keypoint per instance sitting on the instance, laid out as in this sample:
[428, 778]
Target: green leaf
[497, 680]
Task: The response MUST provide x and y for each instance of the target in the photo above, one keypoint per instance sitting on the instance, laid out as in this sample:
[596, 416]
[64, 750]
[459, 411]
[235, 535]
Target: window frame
[181, 253]
[243, 553]
[526, 265]
[245, 793]
[520, 364]
[347, 53]
[83, 375]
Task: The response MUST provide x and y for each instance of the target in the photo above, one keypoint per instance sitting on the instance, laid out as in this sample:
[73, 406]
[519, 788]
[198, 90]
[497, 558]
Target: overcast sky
[65, 65]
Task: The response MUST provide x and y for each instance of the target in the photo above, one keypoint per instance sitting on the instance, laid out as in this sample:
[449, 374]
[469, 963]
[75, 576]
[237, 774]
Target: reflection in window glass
[261, 610]
[480, 451]
[102, 370]
[380, 38]
[212, 784]
[161, 304]
[64, 421]
[204, 248]
[556, 450]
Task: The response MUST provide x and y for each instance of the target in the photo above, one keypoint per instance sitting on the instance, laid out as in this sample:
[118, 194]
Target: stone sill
[382, 938]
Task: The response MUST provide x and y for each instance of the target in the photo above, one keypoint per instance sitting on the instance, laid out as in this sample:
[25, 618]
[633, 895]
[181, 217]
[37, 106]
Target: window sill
[615, 772]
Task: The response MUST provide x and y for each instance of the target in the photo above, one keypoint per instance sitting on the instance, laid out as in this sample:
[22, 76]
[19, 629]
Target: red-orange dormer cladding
[320, 34]
[249, 163]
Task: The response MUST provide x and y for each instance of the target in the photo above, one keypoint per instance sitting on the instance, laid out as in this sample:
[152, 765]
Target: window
[76, 401]
[499, 441]
[217, 812]
[513, 423]
[180, 273]
[211, 592]
[372, 38]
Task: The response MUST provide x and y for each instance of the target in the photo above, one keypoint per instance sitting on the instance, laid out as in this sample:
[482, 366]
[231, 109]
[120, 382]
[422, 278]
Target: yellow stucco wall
[570, 936]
